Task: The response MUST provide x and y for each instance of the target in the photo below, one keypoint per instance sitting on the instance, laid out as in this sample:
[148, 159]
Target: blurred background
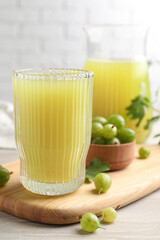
[49, 33]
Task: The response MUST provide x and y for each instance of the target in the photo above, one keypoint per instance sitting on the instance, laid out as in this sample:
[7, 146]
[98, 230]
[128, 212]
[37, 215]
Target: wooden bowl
[118, 156]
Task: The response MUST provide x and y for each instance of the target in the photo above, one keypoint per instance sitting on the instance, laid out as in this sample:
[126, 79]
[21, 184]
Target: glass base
[51, 188]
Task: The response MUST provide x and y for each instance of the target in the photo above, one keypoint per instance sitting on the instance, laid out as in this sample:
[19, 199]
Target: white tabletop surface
[139, 220]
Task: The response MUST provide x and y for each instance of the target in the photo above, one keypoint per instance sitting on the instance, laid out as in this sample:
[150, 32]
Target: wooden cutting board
[136, 181]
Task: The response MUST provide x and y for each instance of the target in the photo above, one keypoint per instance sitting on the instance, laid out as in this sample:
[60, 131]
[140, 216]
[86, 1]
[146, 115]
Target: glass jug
[117, 56]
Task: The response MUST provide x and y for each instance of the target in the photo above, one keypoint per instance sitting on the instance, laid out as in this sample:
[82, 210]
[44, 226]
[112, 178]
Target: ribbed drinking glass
[53, 111]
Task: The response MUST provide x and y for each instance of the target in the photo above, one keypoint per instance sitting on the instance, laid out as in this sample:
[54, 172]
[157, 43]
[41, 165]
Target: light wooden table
[139, 220]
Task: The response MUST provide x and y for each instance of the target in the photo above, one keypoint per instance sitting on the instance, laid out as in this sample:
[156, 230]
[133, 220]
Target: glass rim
[52, 72]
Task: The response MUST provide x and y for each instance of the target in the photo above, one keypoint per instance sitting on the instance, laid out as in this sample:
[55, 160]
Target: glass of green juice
[53, 112]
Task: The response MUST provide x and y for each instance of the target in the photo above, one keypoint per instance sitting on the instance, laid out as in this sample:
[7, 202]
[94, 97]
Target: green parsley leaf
[95, 167]
[139, 105]
[138, 108]
[157, 135]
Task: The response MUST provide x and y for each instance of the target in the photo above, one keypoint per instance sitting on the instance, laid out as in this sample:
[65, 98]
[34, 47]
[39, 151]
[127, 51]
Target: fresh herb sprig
[95, 167]
[140, 105]
[138, 108]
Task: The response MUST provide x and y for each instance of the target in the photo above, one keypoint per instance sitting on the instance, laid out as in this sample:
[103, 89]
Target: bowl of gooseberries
[112, 142]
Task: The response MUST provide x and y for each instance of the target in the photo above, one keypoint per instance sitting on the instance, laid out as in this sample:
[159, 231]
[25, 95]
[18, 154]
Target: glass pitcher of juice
[117, 56]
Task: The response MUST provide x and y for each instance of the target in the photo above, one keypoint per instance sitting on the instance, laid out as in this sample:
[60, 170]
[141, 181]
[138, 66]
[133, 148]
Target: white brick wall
[37, 33]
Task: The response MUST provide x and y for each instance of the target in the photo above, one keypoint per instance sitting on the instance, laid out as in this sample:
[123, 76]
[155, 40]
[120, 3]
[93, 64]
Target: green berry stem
[100, 190]
[102, 228]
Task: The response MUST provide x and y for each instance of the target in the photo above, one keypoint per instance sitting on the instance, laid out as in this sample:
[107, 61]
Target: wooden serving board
[134, 182]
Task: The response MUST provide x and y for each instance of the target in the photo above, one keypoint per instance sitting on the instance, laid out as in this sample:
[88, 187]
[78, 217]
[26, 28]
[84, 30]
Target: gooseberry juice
[116, 83]
[52, 129]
